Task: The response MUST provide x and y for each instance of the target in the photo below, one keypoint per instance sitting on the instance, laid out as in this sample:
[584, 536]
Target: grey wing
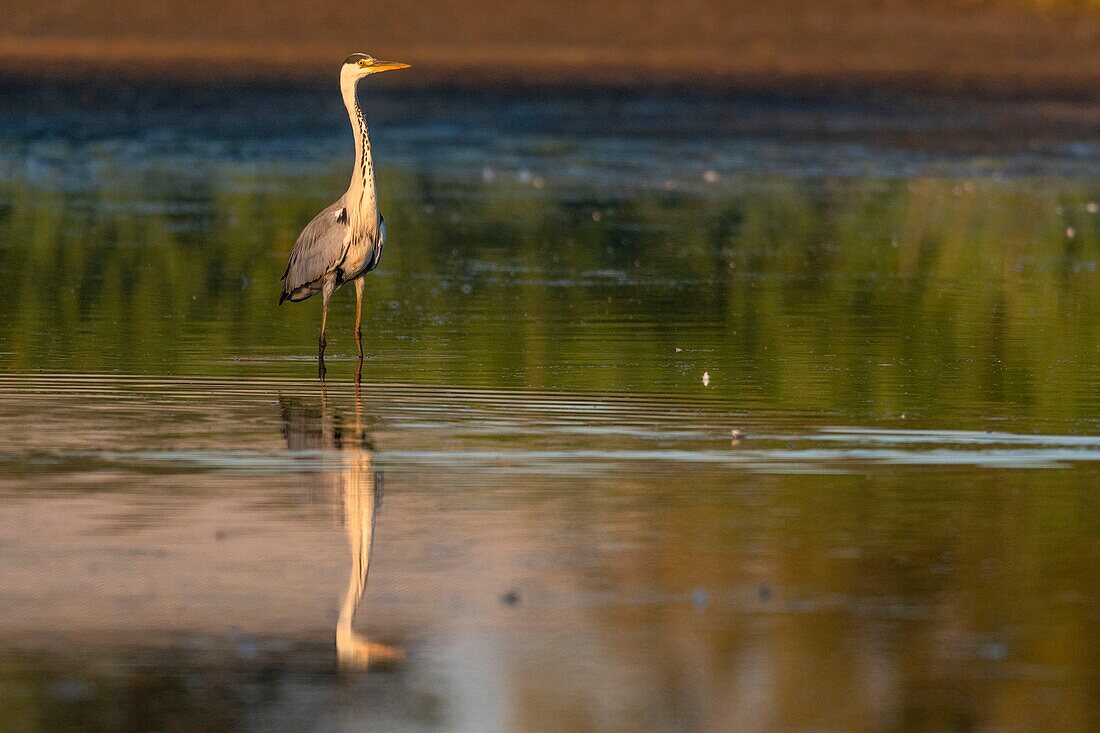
[319, 250]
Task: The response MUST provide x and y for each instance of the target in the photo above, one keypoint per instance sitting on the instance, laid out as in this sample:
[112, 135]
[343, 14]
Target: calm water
[667, 423]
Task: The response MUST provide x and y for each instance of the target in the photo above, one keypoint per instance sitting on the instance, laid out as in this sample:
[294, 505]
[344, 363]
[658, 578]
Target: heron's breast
[359, 256]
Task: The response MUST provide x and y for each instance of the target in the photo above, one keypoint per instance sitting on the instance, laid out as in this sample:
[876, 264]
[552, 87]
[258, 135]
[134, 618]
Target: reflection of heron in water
[361, 488]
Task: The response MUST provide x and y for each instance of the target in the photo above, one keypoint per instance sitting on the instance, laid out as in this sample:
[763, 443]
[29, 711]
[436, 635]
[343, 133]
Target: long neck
[361, 197]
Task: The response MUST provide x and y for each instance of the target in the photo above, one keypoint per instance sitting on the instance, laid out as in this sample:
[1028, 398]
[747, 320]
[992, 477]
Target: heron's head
[359, 65]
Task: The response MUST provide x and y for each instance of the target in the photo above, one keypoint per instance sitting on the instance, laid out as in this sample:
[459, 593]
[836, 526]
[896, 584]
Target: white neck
[361, 197]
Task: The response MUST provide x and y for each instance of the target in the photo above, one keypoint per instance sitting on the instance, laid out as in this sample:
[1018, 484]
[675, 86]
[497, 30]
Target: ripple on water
[140, 424]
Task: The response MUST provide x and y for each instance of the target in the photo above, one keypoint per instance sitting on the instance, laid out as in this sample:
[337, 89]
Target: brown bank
[1007, 47]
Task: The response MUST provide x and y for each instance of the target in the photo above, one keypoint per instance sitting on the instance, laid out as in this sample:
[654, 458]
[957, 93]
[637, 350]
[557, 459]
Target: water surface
[673, 427]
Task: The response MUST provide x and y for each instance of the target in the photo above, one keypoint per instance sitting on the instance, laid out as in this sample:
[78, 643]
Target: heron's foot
[359, 370]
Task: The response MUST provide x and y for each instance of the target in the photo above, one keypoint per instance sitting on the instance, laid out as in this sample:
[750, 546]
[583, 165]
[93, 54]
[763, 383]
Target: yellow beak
[387, 66]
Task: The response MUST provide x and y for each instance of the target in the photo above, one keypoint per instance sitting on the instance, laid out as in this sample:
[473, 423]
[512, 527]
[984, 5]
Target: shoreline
[502, 66]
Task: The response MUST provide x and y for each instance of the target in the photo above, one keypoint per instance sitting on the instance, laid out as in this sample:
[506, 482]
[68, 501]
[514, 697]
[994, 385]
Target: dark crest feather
[354, 58]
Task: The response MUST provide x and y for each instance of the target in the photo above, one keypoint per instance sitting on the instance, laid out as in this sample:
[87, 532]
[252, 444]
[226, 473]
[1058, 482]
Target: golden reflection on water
[360, 485]
[608, 562]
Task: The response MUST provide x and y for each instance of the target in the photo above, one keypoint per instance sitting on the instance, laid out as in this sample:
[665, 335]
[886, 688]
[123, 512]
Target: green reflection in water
[930, 297]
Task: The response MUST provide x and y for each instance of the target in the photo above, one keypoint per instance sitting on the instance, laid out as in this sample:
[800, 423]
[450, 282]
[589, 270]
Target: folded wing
[320, 250]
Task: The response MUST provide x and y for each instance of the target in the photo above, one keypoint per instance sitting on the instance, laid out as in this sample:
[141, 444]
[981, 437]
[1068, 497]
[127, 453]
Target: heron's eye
[366, 62]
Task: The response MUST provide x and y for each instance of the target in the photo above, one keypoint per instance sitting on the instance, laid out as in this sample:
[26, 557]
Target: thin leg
[326, 294]
[359, 314]
[358, 327]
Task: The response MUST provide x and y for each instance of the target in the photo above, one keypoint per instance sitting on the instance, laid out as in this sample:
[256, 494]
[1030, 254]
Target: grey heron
[344, 242]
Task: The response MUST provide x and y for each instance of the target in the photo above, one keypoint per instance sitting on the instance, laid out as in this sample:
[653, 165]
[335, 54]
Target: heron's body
[344, 242]
[329, 252]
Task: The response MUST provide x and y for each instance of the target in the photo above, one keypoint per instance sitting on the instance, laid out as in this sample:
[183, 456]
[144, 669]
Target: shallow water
[660, 429]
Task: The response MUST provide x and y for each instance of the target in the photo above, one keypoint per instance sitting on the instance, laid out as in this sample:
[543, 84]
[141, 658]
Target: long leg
[359, 314]
[358, 324]
[326, 294]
